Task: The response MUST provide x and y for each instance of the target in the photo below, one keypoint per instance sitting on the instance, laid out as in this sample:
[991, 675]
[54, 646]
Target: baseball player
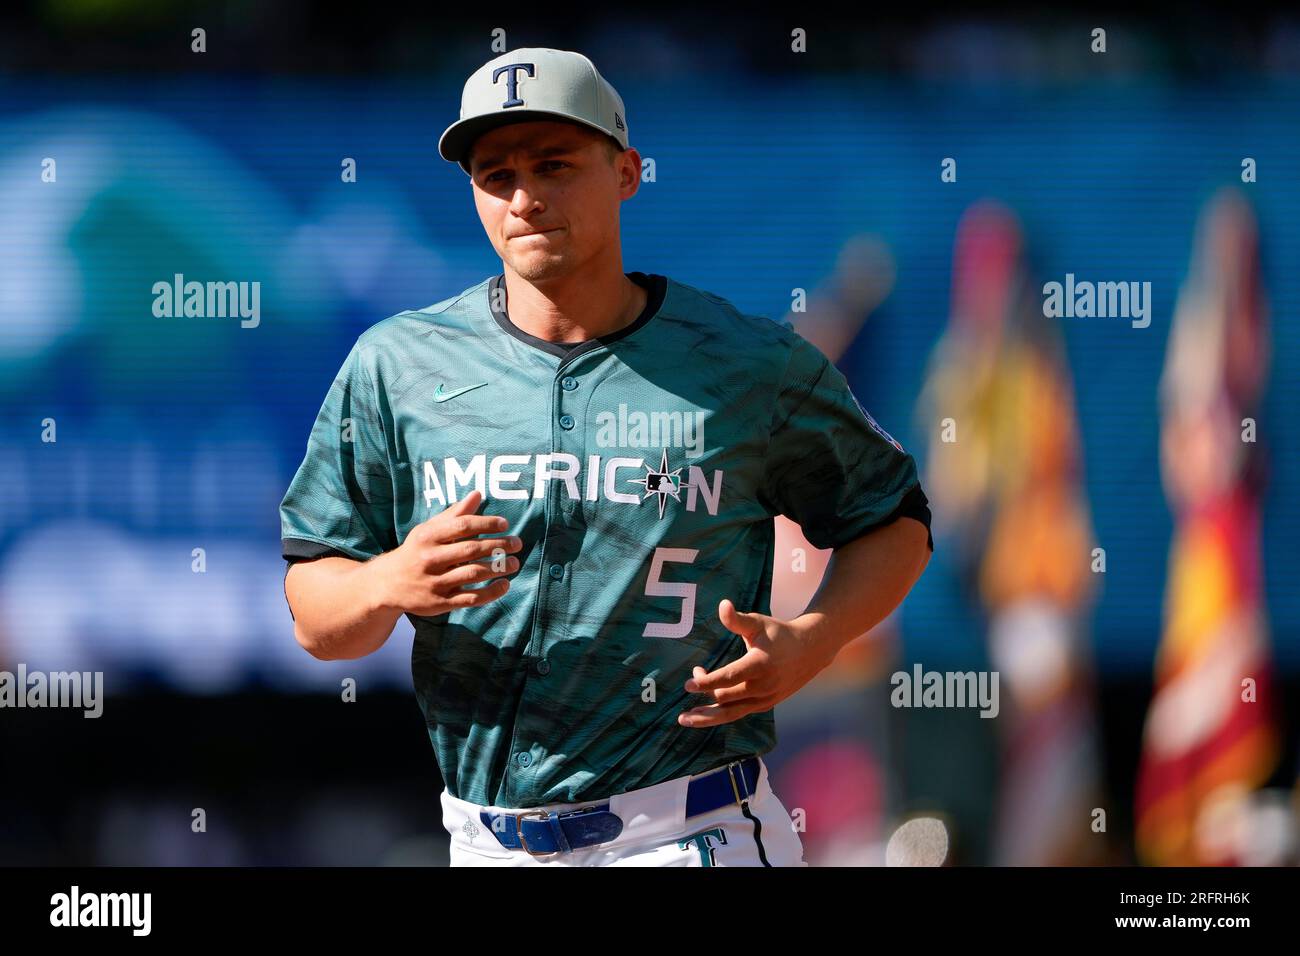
[566, 478]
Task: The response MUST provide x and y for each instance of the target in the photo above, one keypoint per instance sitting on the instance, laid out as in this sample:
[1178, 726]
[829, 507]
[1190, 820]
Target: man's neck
[572, 310]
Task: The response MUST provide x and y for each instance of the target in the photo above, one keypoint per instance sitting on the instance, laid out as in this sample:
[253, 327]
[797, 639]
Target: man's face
[548, 195]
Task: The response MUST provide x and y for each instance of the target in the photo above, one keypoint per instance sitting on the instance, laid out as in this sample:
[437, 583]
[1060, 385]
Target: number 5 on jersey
[654, 587]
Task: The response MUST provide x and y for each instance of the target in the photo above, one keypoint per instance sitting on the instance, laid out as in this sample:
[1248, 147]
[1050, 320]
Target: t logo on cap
[564, 85]
[512, 81]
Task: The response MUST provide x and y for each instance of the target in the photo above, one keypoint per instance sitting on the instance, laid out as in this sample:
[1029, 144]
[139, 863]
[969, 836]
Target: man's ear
[631, 171]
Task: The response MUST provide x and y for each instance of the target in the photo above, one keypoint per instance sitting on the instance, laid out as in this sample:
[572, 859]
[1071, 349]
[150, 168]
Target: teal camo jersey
[642, 471]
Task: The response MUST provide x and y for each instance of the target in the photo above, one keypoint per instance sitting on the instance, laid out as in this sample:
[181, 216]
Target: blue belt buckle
[561, 843]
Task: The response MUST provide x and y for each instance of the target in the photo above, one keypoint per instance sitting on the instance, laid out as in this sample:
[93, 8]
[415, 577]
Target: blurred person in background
[1211, 734]
[1005, 463]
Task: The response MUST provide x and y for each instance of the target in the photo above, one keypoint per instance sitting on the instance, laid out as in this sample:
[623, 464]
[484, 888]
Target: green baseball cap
[533, 83]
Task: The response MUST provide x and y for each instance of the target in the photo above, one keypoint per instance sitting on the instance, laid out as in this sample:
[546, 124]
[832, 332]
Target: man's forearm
[337, 614]
[865, 580]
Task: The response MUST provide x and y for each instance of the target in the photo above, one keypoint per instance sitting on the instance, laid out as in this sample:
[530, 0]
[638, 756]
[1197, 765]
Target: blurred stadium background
[773, 171]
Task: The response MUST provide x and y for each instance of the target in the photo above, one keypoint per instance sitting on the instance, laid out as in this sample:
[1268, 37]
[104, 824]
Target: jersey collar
[656, 287]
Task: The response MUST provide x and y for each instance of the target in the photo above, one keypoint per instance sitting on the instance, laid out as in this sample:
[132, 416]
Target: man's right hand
[429, 572]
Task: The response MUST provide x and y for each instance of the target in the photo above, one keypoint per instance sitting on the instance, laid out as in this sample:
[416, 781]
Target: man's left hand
[781, 657]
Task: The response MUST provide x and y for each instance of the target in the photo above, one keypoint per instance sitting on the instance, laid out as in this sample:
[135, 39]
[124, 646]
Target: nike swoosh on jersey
[440, 396]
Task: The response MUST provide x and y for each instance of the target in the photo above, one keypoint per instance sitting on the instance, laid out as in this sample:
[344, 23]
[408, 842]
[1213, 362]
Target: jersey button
[524, 758]
[568, 383]
[543, 667]
[557, 571]
[566, 422]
